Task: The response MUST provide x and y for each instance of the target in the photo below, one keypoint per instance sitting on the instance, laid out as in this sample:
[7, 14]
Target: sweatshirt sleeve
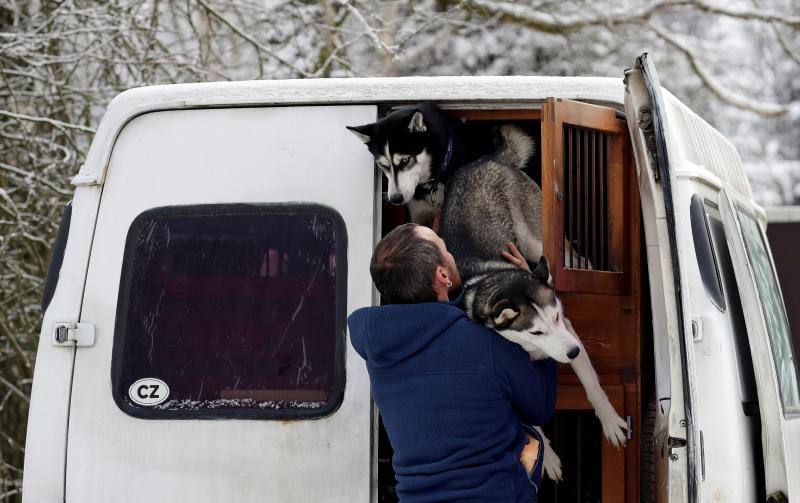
[531, 385]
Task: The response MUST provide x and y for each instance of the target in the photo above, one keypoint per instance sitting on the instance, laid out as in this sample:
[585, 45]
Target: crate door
[584, 208]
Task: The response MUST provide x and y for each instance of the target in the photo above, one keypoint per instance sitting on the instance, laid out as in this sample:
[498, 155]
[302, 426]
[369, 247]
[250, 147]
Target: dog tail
[515, 148]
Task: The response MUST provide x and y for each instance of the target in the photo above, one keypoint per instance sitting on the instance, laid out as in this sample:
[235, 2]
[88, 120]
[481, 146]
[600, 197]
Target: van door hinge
[73, 334]
[674, 443]
[645, 122]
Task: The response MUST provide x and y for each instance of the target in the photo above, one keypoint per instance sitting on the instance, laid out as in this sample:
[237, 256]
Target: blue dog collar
[447, 156]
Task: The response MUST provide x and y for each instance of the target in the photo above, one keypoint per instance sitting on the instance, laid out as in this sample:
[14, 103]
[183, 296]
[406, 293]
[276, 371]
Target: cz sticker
[148, 391]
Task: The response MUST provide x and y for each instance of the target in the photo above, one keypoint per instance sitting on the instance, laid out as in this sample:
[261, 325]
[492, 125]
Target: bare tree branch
[52, 122]
[747, 14]
[727, 95]
[549, 23]
[785, 45]
[258, 45]
[369, 30]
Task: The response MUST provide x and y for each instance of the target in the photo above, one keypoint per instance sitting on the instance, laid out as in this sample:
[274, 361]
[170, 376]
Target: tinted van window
[56, 258]
[236, 310]
[706, 261]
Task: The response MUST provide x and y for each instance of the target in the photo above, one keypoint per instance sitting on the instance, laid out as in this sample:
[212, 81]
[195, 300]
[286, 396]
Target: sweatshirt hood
[384, 335]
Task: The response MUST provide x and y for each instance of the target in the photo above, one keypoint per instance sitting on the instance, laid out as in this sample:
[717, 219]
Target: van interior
[590, 200]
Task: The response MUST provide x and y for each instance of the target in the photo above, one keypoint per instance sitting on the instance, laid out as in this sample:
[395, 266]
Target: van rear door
[230, 245]
[774, 362]
[674, 146]
[675, 435]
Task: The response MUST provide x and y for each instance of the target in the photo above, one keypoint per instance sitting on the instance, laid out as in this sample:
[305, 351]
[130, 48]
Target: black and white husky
[489, 202]
[417, 149]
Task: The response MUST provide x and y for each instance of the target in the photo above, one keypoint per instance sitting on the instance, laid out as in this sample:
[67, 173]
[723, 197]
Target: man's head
[411, 264]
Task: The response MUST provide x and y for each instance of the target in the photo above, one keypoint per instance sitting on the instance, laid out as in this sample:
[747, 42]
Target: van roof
[699, 151]
[709, 147]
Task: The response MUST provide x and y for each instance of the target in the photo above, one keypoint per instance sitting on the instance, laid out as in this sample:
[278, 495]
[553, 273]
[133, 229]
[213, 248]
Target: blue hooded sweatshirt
[452, 395]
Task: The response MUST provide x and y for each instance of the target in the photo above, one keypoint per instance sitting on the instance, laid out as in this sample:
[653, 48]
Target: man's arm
[531, 385]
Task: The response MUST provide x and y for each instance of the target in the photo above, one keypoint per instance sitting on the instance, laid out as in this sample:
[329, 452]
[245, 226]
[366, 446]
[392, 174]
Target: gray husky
[489, 203]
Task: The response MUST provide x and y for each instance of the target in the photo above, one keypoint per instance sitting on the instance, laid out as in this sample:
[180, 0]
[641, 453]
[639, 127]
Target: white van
[194, 344]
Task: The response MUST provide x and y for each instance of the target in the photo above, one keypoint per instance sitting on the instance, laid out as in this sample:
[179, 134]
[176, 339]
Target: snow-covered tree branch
[61, 62]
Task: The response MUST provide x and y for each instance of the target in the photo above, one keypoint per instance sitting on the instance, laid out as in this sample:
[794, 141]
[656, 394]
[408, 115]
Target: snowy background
[735, 62]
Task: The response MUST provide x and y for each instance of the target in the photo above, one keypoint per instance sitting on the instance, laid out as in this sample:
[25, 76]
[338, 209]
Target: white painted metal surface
[725, 459]
[697, 147]
[671, 472]
[280, 154]
[46, 440]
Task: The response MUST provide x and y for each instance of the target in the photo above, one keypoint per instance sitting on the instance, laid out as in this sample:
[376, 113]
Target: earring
[449, 284]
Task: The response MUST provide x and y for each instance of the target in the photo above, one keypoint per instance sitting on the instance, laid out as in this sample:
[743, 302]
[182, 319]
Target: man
[452, 393]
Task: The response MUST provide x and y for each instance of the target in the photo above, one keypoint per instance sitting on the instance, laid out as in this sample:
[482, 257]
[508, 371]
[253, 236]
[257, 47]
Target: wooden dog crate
[590, 203]
[583, 163]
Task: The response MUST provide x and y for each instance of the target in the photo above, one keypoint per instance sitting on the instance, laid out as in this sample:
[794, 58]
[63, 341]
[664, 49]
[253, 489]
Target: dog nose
[573, 353]
[396, 198]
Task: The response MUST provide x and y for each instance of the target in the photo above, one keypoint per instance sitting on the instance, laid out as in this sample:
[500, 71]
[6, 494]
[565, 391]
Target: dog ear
[417, 124]
[364, 133]
[503, 312]
[542, 272]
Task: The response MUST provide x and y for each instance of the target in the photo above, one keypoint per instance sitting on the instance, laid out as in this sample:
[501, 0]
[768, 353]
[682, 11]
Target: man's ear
[542, 272]
[503, 313]
[441, 274]
[364, 133]
[417, 124]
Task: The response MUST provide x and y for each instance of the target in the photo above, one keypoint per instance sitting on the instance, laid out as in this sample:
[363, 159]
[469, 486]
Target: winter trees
[62, 61]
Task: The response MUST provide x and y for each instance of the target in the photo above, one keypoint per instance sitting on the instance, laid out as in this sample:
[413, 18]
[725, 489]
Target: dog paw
[614, 427]
[551, 461]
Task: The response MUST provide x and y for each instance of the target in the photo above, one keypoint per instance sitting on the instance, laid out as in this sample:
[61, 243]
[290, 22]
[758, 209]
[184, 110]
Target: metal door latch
[73, 334]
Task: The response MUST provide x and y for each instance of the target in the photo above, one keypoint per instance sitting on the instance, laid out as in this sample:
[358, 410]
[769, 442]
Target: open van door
[212, 361]
[768, 332]
[675, 433]
[669, 140]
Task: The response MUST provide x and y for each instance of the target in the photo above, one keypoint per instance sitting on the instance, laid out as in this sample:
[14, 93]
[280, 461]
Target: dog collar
[447, 156]
[432, 185]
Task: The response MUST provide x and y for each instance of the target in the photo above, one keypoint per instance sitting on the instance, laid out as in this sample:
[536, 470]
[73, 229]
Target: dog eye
[538, 332]
[403, 161]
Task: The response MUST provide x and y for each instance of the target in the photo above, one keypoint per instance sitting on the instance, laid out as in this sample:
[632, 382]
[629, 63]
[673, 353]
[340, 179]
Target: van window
[56, 258]
[773, 311]
[706, 261]
[237, 310]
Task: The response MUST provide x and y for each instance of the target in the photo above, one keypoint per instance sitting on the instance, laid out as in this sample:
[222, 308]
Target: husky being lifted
[490, 202]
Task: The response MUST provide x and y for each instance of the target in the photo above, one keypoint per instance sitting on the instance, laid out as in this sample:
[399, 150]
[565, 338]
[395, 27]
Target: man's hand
[515, 257]
[529, 454]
